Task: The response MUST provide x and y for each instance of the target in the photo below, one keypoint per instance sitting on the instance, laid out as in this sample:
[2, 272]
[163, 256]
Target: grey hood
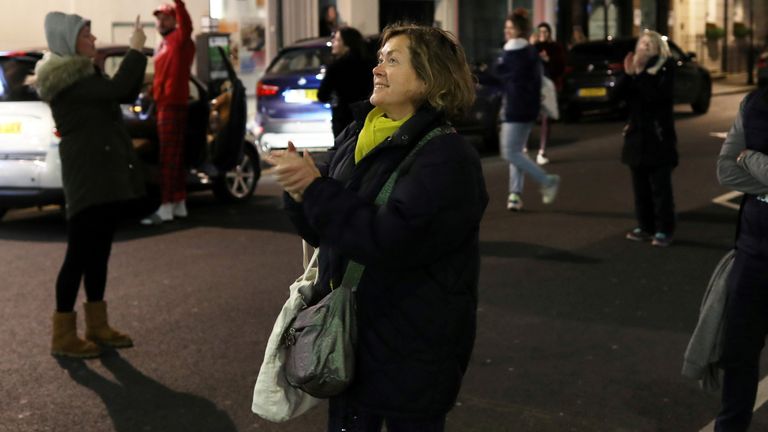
[61, 32]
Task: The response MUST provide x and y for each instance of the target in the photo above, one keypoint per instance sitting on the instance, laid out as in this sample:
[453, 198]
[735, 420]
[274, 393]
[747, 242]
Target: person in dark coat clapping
[552, 57]
[650, 141]
[100, 171]
[346, 79]
[417, 299]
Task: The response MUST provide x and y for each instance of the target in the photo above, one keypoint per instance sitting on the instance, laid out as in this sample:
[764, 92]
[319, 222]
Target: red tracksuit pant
[171, 129]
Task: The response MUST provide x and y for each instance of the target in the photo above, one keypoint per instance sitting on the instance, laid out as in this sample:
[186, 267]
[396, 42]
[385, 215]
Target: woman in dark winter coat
[650, 141]
[99, 170]
[347, 79]
[519, 71]
[417, 299]
[743, 166]
[552, 57]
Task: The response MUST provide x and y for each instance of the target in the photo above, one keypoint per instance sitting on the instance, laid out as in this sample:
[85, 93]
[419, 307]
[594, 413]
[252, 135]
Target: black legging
[89, 243]
[654, 204]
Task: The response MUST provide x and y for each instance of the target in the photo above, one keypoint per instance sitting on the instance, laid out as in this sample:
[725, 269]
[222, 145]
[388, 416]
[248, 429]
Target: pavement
[731, 84]
[578, 330]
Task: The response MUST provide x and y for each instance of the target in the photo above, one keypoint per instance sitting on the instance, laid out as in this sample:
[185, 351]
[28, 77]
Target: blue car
[287, 107]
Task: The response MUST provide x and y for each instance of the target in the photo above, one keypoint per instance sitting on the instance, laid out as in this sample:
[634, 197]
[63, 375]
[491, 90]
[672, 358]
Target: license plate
[300, 96]
[10, 128]
[593, 92]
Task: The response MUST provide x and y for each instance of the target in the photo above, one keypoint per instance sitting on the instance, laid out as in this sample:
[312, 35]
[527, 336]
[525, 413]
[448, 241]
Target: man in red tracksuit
[170, 89]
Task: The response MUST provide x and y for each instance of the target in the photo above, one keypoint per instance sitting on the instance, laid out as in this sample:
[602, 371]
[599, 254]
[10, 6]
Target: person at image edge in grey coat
[743, 166]
[417, 299]
[100, 172]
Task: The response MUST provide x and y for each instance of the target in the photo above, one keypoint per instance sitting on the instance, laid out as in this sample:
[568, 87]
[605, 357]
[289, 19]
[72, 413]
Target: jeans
[654, 205]
[745, 329]
[343, 416]
[513, 138]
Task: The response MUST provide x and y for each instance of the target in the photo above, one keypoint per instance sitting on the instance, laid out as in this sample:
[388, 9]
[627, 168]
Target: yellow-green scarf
[376, 129]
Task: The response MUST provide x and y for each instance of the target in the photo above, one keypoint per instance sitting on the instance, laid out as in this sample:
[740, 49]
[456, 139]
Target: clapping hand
[293, 172]
[138, 38]
[629, 63]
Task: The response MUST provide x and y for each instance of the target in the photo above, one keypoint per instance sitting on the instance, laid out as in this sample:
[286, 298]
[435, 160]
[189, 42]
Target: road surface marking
[725, 199]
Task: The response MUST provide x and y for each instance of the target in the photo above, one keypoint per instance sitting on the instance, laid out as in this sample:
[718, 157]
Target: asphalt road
[579, 329]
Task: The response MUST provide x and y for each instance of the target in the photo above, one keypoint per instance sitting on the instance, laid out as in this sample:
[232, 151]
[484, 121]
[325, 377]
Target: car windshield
[16, 75]
[301, 59]
[614, 51]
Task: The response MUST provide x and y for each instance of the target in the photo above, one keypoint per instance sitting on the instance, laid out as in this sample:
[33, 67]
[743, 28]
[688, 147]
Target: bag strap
[354, 270]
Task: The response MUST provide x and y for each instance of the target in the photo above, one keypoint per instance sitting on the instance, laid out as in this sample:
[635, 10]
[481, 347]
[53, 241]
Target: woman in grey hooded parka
[100, 171]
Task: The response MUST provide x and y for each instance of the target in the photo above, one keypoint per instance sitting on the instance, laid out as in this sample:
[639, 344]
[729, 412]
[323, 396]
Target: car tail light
[266, 90]
[762, 61]
[56, 133]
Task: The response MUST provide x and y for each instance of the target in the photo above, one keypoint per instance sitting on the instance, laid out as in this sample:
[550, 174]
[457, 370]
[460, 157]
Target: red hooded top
[173, 61]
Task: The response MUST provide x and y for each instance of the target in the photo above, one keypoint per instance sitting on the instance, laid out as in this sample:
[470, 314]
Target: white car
[30, 170]
[218, 154]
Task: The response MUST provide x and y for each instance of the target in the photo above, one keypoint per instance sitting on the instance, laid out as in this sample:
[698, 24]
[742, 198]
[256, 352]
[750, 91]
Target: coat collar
[422, 121]
[55, 73]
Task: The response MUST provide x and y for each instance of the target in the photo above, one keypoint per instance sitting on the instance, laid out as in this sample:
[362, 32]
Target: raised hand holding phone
[138, 38]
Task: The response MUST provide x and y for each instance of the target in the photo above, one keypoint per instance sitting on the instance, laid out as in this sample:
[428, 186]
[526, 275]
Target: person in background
[650, 140]
[346, 79]
[170, 89]
[415, 329]
[100, 172]
[552, 57]
[518, 72]
[743, 166]
[329, 20]
[577, 37]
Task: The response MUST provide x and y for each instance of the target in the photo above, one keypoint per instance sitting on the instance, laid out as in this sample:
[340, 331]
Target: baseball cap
[167, 9]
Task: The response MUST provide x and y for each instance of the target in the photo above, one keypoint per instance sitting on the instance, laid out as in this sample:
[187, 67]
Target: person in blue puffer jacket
[518, 72]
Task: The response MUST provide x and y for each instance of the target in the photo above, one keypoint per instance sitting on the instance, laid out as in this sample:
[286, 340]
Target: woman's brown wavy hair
[439, 60]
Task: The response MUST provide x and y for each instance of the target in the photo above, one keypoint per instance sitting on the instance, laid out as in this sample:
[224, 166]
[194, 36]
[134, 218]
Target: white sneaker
[180, 209]
[514, 202]
[541, 159]
[163, 214]
[549, 193]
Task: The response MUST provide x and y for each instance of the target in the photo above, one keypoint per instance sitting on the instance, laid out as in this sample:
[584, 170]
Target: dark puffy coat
[649, 136]
[347, 80]
[518, 72]
[98, 164]
[417, 298]
[555, 67]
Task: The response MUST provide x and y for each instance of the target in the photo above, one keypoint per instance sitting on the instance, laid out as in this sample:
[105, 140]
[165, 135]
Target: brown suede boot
[98, 330]
[65, 342]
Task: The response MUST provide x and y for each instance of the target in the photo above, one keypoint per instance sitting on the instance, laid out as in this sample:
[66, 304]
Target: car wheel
[701, 104]
[239, 183]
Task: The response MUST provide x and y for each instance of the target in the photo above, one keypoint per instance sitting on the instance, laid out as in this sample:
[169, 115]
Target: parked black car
[594, 69]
